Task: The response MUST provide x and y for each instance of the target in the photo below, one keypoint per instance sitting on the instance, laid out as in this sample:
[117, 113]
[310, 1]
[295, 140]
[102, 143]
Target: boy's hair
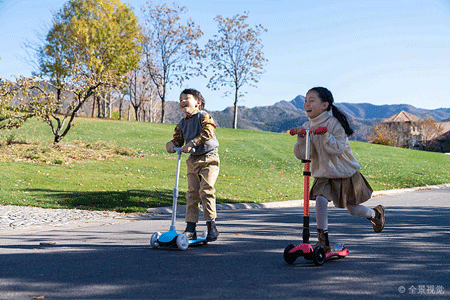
[326, 96]
[197, 95]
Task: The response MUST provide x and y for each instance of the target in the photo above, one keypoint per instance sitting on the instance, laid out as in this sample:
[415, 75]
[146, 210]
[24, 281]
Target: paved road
[110, 258]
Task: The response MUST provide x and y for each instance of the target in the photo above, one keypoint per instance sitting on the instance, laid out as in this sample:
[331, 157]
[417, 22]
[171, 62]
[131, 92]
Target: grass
[123, 166]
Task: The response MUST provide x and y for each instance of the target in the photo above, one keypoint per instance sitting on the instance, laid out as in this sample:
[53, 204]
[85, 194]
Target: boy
[197, 130]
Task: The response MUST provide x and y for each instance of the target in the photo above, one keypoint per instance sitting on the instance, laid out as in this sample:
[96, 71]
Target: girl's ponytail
[326, 96]
[342, 119]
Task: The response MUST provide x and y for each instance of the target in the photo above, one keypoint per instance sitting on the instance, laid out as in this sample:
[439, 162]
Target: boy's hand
[187, 148]
[169, 147]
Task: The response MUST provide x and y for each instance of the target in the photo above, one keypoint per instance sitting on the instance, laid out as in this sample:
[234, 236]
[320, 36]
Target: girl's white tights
[361, 210]
[322, 212]
[354, 210]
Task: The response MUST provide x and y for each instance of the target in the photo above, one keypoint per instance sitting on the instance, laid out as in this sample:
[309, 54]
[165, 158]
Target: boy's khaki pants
[202, 173]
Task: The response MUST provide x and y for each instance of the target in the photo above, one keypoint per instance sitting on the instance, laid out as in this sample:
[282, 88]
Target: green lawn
[256, 166]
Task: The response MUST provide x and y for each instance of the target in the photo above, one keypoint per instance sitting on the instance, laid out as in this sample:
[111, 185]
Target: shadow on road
[245, 263]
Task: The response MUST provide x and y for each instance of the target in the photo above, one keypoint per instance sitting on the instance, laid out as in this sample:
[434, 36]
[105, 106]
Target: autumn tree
[13, 109]
[11, 116]
[420, 134]
[140, 88]
[429, 132]
[92, 44]
[144, 96]
[119, 94]
[382, 135]
[110, 99]
[152, 107]
[235, 56]
[171, 51]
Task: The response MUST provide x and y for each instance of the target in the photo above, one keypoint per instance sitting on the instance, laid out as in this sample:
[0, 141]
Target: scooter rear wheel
[204, 235]
[289, 257]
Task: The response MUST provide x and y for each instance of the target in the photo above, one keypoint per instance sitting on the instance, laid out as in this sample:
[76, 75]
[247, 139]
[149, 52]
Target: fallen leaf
[47, 243]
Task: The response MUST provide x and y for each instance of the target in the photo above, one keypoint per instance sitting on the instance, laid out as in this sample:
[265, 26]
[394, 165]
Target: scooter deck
[168, 239]
[200, 240]
[339, 250]
[307, 251]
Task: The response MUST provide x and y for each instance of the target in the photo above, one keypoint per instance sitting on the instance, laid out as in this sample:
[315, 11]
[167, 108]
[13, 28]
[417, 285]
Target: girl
[334, 168]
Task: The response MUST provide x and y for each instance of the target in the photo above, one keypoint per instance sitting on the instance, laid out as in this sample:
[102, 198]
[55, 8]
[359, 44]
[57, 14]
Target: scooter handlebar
[294, 132]
[178, 149]
[320, 130]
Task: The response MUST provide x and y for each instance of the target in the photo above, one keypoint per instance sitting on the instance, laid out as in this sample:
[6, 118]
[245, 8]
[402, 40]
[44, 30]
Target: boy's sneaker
[190, 231]
[378, 221]
[213, 233]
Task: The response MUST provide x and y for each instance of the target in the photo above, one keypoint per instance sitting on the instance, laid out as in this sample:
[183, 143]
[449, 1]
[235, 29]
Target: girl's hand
[301, 132]
[320, 131]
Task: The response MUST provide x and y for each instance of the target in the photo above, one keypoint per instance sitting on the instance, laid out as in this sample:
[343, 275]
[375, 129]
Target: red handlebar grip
[294, 132]
[321, 130]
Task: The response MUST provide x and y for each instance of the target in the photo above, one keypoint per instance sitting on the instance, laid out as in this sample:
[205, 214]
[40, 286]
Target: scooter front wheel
[319, 255]
[182, 241]
[289, 257]
[154, 240]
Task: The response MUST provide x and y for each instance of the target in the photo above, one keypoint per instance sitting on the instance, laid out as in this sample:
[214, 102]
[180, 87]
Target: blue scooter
[172, 239]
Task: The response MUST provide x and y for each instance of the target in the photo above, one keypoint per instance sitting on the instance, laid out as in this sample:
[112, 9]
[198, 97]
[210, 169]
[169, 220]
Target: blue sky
[378, 52]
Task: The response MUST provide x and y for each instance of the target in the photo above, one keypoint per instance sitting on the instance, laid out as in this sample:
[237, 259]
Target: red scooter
[317, 254]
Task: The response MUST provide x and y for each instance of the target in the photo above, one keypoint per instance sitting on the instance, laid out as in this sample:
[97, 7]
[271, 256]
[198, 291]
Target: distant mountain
[369, 111]
[285, 115]
[296, 103]
[267, 118]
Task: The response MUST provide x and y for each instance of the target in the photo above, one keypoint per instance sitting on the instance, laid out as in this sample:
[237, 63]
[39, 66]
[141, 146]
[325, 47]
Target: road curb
[181, 209]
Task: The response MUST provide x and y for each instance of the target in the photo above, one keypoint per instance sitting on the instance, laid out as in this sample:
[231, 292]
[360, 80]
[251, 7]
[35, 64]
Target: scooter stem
[175, 190]
[306, 174]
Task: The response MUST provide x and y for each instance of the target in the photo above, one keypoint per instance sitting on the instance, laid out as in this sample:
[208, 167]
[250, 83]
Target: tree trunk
[120, 108]
[151, 113]
[163, 103]
[108, 106]
[93, 106]
[235, 109]
[99, 109]
[163, 106]
[136, 112]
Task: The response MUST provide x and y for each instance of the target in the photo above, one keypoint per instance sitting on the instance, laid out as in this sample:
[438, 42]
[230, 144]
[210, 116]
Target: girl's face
[314, 106]
[188, 104]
